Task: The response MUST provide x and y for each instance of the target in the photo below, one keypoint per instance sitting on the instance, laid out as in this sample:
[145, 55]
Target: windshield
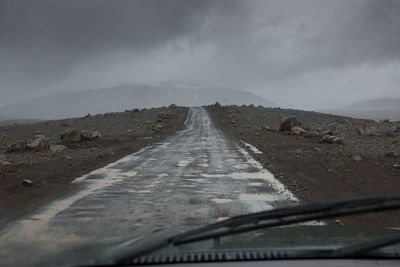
[127, 125]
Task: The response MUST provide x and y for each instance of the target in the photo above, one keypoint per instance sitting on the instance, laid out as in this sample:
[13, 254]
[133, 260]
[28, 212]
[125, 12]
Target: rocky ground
[321, 157]
[38, 161]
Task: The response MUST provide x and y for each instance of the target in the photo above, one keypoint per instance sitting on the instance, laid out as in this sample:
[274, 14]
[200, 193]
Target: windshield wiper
[274, 218]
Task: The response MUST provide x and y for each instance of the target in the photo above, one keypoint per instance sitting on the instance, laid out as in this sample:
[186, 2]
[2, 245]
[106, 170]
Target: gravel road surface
[194, 178]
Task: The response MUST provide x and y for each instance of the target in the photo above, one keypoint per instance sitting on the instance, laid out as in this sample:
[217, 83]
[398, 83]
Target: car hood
[107, 250]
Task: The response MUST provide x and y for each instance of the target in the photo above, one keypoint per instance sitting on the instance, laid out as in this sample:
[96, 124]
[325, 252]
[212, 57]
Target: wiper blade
[272, 218]
[361, 248]
[287, 216]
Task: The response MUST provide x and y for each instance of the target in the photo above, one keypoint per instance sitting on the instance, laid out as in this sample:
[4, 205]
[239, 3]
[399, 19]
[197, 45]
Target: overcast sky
[300, 53]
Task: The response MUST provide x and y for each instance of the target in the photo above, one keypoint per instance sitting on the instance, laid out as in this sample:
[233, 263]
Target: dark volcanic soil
[122, 133]
[316, 171]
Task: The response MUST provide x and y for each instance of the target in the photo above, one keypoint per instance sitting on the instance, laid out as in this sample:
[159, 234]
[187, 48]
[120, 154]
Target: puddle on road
[183, 163]
[200, 180]
[222, 200]
[129, 174]
[141, 191]
[242, 175]
[204, 165]
[188, 186]
[259, 197]
[255, 184]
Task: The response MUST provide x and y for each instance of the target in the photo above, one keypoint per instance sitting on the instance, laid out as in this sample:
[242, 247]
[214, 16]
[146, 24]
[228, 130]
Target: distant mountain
[379, 109]
[5, 122]
[377, 104]
[127, 96]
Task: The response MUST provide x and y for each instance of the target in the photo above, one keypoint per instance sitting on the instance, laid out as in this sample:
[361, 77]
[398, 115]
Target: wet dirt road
[194, 178]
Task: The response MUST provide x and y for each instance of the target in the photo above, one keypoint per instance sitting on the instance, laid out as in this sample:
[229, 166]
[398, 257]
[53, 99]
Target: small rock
[163, 115]
[397, 166]
[288, 122]
[391, 154]
[89, 136]
[40, 143]
[311, 134]
[331, 139]
[2, 157]
[357, 157]
[71, 137]
[329, 132]
[17, 146]
[27, 182]
[297, 130]
[57, 148]
[129, 130]
[266, 128]
[366, 130]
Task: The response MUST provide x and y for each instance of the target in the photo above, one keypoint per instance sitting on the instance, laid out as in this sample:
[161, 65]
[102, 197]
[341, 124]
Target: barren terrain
[359, 166]
[51, 173]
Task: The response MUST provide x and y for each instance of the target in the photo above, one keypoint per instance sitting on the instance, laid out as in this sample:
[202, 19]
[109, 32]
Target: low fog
[308, 54]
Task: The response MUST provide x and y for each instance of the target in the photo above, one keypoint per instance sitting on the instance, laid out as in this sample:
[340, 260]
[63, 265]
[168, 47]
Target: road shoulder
[51, 174]
[313, 171]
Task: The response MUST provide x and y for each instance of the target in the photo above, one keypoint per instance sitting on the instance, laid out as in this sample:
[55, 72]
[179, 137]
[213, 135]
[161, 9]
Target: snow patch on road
[251, 147]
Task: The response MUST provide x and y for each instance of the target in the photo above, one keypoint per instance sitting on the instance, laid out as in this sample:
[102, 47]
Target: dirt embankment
[121, 133]
[357, 166]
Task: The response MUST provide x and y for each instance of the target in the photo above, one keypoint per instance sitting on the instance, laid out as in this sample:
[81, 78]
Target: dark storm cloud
[49, 37]
[281, 49]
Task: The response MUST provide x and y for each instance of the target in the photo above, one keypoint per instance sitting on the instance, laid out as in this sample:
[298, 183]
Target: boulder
[331, 139]
[297, 130]
[288, 122]
[392, 131]
[3, 161]
[40, 143]
[366, 130]
[17, 146]
[71, 137]
[55, 149]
